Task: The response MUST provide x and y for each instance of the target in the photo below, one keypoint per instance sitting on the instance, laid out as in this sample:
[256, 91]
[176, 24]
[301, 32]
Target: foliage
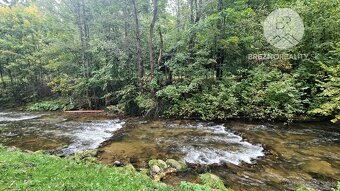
[337, 187]
[54, 105]
[100, 58]
[331, 107]
[187, 186]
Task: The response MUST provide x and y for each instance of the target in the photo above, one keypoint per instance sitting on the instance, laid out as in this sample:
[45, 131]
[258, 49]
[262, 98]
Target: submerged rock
[320, 167]
[176, 165]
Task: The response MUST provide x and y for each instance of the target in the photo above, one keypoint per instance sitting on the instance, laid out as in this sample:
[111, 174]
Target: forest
[164, 95]
[172, 58]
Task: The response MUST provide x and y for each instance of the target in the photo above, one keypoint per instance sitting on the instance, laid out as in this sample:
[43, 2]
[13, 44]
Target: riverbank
[294, 153]
[36, 171]
[40, 172]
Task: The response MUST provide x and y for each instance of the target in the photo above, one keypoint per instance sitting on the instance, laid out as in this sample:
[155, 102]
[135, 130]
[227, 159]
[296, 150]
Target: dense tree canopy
[168, 57]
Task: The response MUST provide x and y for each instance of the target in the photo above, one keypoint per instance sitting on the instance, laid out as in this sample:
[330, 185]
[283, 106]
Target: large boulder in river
[176, 164]
[212, 181]
[161, 164]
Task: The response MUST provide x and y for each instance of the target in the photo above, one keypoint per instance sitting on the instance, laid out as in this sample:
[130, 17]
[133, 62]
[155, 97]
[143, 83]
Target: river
[247, 156]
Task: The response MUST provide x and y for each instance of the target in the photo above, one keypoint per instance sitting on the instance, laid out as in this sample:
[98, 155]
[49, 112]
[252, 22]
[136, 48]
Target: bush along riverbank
[39, 172]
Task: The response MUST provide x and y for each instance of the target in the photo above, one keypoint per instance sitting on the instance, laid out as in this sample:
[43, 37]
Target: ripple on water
[15, 116]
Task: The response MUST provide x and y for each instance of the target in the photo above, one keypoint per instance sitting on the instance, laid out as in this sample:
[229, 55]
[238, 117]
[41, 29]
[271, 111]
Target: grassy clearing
[39, 172]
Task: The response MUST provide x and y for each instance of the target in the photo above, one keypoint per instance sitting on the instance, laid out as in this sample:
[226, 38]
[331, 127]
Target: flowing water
[246, 156]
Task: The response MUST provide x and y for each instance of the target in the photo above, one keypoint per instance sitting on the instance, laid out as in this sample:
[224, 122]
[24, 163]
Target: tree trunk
[138, 42]
[220, 52]
[151, 33]
[126, 36]
[199, 11]
[161, 45]
[82, 22]
[2, 76]
[178, 16]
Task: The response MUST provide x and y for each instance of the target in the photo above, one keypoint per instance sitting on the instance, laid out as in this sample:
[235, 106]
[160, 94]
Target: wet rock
[155, 169]
[157, 173]
[40, 152]
[117, 164]
[212, 181]
[160, 163]
[88, 155]
[29, 152]
[158, 177]
[61, 155]
[177, 165]
[58, 153]
[12, 149]
[170, 170]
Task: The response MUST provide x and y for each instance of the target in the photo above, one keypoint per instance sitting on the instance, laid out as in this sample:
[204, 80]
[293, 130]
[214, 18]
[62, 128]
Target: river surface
[247, 156]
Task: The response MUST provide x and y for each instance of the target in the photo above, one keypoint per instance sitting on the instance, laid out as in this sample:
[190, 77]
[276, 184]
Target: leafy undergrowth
[38, 172]
[50, 105]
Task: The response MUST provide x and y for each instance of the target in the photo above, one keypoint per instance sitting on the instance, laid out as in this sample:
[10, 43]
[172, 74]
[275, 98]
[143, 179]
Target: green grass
[39, 172]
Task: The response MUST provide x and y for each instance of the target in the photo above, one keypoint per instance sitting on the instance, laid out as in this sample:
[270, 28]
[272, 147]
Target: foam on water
[91, 134]
[231, 147]
[15, 116]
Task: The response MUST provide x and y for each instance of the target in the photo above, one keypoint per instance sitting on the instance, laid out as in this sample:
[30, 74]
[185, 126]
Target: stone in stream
[159, 169]
[117, 164]
[177, 165]
[160, 163]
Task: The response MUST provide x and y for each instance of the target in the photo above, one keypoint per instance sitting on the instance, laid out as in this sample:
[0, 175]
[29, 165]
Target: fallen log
[86, 111]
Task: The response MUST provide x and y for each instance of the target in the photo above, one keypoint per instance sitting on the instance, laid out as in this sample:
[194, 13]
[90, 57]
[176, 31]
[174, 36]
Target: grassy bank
[39, 172]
